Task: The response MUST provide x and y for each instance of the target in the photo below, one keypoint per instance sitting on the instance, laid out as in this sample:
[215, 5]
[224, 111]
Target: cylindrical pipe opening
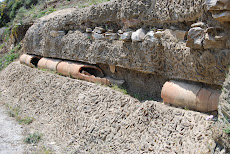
[29, 60]
[34, 61]
[91, 71]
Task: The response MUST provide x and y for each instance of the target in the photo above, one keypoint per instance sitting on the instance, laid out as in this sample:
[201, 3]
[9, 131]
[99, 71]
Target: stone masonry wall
[175, 39]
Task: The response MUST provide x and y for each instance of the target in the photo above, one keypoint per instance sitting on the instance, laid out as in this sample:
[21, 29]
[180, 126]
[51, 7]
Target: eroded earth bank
[83, 117]
[145, 44]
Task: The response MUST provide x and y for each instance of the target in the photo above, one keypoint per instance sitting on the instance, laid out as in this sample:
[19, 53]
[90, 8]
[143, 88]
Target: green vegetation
[33, 138]
[9, 9]
[117, 88]
[45, 150]
[9, 57]
[47, 70]
[227, 130]
[14, 112]
[16, 11]
[25, 120]
[91, 2]
[6, 35]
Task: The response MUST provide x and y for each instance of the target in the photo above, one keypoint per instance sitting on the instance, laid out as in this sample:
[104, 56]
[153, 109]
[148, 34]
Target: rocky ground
[82, 117]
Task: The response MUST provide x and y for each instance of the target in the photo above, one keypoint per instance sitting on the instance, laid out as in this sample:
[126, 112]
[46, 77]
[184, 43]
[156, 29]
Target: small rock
[138, 36]
[179, 34]
[110, 31]
[54, 33]
[150, 37]
[99, 30]
[88, 30]
[223, 16]
[220, 38]
[120, 31]
[210, 42]
[112, 68]
[217, 5]
[159, 34]
[111, 36]
[97, 36]
[198, 24]
[195, 38]
[70, 32]
[126, 36]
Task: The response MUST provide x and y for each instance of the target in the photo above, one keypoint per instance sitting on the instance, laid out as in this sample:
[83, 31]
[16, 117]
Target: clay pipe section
[191, 96]
[29, 60]
[48, 63]
[82, 71]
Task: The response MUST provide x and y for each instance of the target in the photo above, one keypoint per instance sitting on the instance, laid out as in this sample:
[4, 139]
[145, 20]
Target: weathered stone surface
[138, 35]
[220, 129]
[211, 42]
[120, 31]
[198, 24]
[126, 36]
[111, 36]
[150, 37]
[220, 9]
[57, 33]
[88, 30]
[97, 36]
[223, 16]
[178, 34]
[195, 38]
[99, 30]
[214, 38]
[169, 57]
[218, 5]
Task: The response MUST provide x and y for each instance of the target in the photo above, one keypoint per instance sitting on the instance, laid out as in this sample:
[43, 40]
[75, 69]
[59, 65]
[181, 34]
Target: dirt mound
[84, 117]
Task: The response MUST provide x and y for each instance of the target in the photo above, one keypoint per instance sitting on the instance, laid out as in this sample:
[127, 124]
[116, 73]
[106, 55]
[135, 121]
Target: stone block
[195, 38]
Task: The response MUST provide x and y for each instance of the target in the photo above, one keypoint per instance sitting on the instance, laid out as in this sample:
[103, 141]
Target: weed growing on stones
[14, 112]
[117, 88]
[227, 131]
[33, 138]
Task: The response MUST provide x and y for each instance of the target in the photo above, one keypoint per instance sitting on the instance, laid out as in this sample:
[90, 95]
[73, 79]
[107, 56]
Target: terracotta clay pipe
[48, 63]
[29, 60]
[191, 96]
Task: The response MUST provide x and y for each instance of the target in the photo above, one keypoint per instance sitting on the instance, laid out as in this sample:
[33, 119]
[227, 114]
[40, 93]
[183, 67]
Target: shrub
[9, 57]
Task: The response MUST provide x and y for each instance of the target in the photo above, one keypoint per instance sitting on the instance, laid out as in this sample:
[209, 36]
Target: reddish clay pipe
[64, 68]
[48, 63]
[42, 63]
[29, 60]
[76, 71]
[22, 59]
[52, 64]
[190, 95]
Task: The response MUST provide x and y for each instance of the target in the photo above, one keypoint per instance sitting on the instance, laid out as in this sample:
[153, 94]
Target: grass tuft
[14, 112]
[227, 130]
[33, 138]
[117, 88]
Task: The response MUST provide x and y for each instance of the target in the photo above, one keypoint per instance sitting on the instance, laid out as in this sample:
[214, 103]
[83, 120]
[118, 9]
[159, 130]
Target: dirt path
[11, 139]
